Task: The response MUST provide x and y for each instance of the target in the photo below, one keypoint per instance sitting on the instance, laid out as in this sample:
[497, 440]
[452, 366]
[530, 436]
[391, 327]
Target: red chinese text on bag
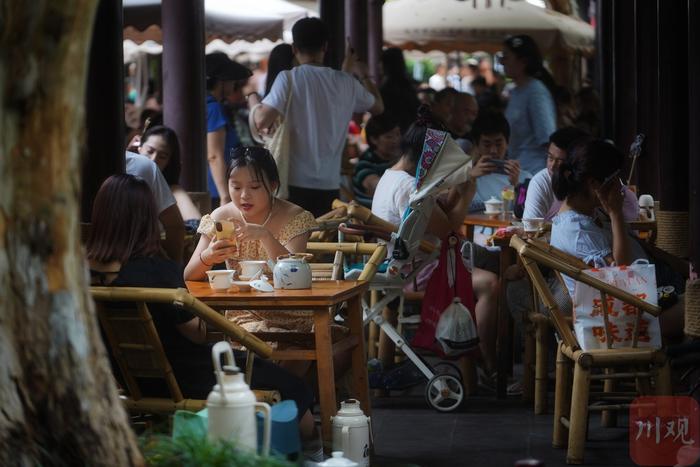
[450, 280]
[639, 279]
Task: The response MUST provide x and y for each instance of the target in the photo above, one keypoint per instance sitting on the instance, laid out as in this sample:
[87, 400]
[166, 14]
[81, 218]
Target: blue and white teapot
[291, 271]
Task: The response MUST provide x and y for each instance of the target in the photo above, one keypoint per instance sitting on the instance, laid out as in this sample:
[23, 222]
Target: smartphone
[225, 230]
[500, 166]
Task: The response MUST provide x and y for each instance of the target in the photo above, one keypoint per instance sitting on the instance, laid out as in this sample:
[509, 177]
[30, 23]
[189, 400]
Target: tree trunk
[58, 400]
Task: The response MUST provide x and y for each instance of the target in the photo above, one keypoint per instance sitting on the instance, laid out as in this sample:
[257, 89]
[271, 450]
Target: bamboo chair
[538, 327]
[571, 404]
[137, 349]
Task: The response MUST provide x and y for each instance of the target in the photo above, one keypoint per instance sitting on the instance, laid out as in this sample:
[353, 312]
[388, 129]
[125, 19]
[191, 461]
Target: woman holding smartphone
[265, 226]
[590, 224]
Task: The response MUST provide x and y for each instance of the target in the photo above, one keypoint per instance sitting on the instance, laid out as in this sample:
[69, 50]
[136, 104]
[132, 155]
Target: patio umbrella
[480, 25]
[227, 20]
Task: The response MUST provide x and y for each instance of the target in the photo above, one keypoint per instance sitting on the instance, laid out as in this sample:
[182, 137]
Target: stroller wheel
[444, 393]
[448, 368]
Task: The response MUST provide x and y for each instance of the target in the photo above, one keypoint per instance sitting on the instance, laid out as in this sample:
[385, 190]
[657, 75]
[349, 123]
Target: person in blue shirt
[491, 134]
[225, 80]
[531, 112]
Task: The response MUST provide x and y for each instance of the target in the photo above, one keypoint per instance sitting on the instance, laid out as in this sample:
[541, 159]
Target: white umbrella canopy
[236, 50]
[227, 20]
[480, 25]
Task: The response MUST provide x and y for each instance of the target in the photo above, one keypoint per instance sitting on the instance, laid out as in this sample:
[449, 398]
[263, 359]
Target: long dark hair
[171, 173]
[394, 65]
[281, 58]
[124, 221]
[412, 141]
[260, 161]
[525, 48]
[595, 159]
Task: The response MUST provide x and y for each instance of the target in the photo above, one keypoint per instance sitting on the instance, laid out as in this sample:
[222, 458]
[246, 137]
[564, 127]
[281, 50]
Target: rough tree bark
[58, 401]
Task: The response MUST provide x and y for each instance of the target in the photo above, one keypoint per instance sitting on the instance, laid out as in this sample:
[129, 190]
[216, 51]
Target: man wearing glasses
[540, 201]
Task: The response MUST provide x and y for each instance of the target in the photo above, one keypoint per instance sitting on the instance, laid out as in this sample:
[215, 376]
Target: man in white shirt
[168, 212]
[323, 101]
[439, 80]
[540, 201]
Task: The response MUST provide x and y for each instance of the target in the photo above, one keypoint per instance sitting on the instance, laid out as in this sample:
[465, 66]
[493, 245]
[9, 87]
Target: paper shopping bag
[638, 279]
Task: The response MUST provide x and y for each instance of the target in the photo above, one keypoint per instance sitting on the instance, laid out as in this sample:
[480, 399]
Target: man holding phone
[490, 133]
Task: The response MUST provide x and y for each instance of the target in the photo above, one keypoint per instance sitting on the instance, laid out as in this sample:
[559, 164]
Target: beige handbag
[278, 145]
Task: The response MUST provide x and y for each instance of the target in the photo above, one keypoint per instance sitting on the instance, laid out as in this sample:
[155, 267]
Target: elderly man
[464, 111]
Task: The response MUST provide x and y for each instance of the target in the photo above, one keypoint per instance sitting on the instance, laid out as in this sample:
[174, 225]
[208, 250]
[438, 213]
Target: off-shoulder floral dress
[264, 320]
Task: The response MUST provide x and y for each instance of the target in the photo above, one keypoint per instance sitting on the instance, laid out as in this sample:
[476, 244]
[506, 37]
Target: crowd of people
[514, 141]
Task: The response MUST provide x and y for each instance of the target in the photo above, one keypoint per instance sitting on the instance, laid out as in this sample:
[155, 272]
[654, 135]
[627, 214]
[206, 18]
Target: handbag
[448, 323]
[638, 279]
[279, 145]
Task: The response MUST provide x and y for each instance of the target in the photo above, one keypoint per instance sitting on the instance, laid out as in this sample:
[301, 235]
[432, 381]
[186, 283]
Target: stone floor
[484, 432]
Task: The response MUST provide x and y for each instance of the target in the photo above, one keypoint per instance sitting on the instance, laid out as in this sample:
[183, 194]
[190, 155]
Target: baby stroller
[442, 165]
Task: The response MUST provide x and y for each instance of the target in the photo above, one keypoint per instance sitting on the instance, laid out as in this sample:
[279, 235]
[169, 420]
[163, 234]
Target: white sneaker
[515, 389]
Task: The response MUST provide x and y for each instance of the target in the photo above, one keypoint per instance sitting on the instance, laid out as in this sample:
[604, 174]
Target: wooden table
[319, 299]
[504, 326]
[487, 220]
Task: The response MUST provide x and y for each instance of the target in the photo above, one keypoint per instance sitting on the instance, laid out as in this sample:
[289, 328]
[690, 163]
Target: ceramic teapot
[231, 405]
[351, 430]
[291, 271]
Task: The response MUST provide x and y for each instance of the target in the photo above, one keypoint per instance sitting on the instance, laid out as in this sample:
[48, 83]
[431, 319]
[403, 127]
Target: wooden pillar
[605, 72]
[375, 38]
[673, 106]
[333, 15]
[356, 26]
[693, 58]
[647, 101]
[183, 85]
[104, 104]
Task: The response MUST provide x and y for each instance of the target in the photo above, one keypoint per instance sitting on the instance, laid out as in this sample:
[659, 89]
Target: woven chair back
[136, 347]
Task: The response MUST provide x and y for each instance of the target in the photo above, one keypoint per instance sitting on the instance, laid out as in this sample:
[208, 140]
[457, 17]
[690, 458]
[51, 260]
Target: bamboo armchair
[136, 347]
[537, 332]
[571, 405]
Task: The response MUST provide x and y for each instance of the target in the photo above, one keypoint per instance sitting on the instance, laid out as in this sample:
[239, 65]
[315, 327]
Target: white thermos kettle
[231, 405]
[351, 432]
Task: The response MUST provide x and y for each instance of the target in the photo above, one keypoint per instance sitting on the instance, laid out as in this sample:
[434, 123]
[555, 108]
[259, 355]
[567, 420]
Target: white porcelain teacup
[221, 279]
[493, 206]
[251, 268]
[533, 224]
